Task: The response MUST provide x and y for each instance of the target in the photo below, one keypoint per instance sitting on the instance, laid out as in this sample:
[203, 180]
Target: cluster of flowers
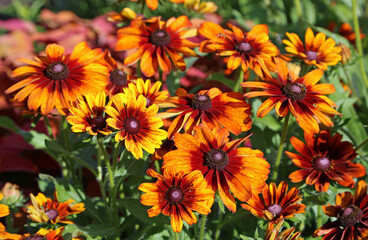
[44, 210]
[204, 160]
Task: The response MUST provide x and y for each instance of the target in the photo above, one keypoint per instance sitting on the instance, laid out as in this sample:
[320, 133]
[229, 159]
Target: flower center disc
[201, 102]
[295, 91]
[174, 195]
[243, 47]
[349, 216]
[52, 213]
[322, 163]
[35, 237]
[311, 55]
[275, 209]
[216, 159]
[57, 71]
[148, 102]
[132, 125]
[118, 78]
[160, 38]
[98, 122]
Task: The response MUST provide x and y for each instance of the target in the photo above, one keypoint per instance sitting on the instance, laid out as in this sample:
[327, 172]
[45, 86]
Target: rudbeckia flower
[89, 115]
[276, 203]
[177, 194]
[57, 79]
[224, 166]
[42, 234]
[317, 50]
[302, 96]
[148, 90]
[155, 40]
[273, 232]
[138, 125]
[152, 4]
[324, 158]
[249, 50]
[351, 212]
[51, 210]
[211, 108]
[4, 210]
[118, 78]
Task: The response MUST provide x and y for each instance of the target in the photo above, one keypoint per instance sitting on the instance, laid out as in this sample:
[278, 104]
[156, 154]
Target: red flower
[324, 158]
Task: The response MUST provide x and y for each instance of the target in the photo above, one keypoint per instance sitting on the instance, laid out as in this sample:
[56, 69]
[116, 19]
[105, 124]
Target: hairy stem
[281, 147]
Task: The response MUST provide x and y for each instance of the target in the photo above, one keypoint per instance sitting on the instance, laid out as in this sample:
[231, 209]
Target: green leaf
[140, 212]
[98, 231]
[222, 78]
[55, 147]
[36, 139]
[243, 237]
[337, 37]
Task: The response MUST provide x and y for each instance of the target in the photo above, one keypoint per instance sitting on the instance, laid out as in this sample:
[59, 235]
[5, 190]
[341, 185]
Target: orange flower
[154, 41]
[4, 210]
[351, 212]
[177, 195]
[210, 107]
[324, 158]
[200, 6]
[45, 209]
[137, 124]
[126, 14]
[89, 115]
[152, 4]
[276, 203]
[250, 50]
[301, 95]
[151, 92]
[317, 50]
[224, 166]
[346, 31]
[119, 79]
[273, 232]
[57, 79]
[42, 234]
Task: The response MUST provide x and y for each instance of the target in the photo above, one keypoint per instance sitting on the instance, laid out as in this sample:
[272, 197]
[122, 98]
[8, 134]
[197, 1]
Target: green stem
[361, 145]
[358, 43]
[115, 156]
[176, 235]
[157, 165]
[48, 126]
[69, 148]
[319, 217]
[239, 80]
[142, 8]
[281, 147]
[101, 183]
[138, 69]
[111, 180]
[218, 227]
[160, 75]
[107, 161]
[203, 227]
[298, 8]
[351, 85]
[84, 164]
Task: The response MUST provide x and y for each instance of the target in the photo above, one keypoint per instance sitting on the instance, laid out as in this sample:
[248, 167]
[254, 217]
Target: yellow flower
[46, 209]
[317, 51]
[89, 116]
